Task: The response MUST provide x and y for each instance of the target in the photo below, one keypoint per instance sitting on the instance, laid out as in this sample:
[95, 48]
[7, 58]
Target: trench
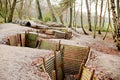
[66, 60]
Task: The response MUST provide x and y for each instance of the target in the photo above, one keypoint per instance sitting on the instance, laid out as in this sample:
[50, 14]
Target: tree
[51, 11]
[118, 8]
[96, 18]
[71, 11]
[39, 10]
[103, 23]
[12, 8]
[4, 9]
[109, 24]
[89, 15]
[116, 23]
[82, 20]
[19, 9]
[100, 21]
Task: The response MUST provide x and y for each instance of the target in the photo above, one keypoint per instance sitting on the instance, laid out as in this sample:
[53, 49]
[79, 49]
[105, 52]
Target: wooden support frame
[81, 73]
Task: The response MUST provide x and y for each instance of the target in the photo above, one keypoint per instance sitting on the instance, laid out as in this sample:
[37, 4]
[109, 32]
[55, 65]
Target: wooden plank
[12, 40]
[49, 45]
[58, 62]
[72, 58]
[86, 74]
[18, 39]
[23, 39]
[54, 75]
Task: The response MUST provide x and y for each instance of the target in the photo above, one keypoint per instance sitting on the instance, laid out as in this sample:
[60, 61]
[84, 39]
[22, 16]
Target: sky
[78, 2]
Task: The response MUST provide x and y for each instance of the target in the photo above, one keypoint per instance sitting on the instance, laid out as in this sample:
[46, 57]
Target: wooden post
[59, 45]
[63, 61]
[44, 63]
[8, 43]
[92, 76]
[55, 63]
[20, 40]
[80, 71]
[53, 75]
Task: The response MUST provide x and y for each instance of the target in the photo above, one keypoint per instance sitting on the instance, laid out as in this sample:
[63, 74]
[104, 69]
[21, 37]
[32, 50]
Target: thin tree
[71, 11]
[89, 16]
[100, 21]
[114, 16]
[39, 10]
[74, 20]
[96, 18]
[82, 19]
[109, 24]
[51, 11]
[118, 8]
[12, 8]
[4, 10]
[20, 10]
[103, 23]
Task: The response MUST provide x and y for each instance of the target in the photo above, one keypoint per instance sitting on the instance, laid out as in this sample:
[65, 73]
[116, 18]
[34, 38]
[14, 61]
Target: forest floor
[104, 56]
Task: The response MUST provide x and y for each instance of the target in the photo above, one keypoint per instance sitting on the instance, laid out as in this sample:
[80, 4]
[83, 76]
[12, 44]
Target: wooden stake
[53, 75]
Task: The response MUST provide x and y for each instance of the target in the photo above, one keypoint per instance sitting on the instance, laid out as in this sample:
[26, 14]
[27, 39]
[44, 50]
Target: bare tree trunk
[103, 23]
[114, 16]
[39, 10]
[116, 25]
[71, 11]
[51, 11]
[10, 17]
[89, 15]
[118, 8]
[82, 20]
[74, 20]
[109, 24]
[61, 19]
[20, 11]
[96, 18]
[99, 30]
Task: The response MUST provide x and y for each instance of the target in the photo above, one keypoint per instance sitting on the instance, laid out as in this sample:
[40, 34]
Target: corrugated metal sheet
[49, 65]
[73, 57]
[59, 66]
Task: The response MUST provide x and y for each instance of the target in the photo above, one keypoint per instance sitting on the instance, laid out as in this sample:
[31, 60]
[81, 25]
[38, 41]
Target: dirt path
[10, 29]
[15, 63]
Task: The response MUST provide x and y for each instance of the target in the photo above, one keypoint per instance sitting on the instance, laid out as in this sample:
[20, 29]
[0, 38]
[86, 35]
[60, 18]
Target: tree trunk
[101, 9]
[61, 19]
[109, 24]
[103, 23]
[51, 11]
[96, 18]
[118, 8]
[10, 17]
[20, 12]
[39, 10]
[74, 21]
[89, 15]
[114, 16]
[116, 25]
[71, 10]
[82, 20]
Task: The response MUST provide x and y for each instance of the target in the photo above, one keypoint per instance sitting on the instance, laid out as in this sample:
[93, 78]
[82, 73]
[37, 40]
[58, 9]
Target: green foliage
[47, 17]
[103, 29]
[1, 20]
